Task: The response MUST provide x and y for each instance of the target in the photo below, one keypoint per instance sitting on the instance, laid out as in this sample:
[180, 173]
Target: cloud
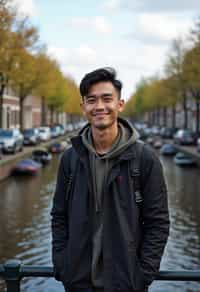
[26, 7]
[81, 56]
[98, 24]
[154, 6]
[131, 62]
[160, 29]
[112, 5]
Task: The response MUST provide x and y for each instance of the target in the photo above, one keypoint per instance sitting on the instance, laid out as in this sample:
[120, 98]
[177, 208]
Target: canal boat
[168, 149]
[157, 144]
[57, 147]
[183, 159]
[27, 166]
[42, 155]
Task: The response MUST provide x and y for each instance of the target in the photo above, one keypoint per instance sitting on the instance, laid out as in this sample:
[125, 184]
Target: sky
[133, 36]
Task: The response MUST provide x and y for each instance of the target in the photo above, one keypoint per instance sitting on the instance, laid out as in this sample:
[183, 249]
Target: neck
[104, 138]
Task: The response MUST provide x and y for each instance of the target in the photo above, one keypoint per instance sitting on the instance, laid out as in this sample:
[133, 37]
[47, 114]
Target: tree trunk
[2, 88]
[174, 116]
[154, 117]
[158, 117]
[185, 123]
[57, 117]
[149, 118]
[51, 114]
[197, 115]
[21, 116]
[164, 116]
[1, 104]
[43, 111]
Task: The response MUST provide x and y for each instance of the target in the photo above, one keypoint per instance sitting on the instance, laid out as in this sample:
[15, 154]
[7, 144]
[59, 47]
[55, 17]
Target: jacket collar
[83, 152]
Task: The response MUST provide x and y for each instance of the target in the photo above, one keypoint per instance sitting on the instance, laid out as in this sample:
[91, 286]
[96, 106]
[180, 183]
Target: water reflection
[25, 224]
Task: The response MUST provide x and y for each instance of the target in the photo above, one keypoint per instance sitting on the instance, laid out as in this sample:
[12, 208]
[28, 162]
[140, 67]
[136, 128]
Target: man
[109, 226]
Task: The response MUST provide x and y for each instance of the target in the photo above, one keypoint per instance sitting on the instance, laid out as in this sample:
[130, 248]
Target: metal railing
[13, 271]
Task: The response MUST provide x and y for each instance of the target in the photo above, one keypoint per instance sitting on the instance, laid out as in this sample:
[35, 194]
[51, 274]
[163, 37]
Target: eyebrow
[101, 95]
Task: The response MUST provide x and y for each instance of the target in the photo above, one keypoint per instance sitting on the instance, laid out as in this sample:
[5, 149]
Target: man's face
[102, 105]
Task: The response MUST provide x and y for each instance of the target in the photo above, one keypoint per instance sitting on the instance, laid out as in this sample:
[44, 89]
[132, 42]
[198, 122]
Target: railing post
[12, 275]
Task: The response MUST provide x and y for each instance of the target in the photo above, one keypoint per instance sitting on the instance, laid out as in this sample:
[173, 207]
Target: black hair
[99, 75]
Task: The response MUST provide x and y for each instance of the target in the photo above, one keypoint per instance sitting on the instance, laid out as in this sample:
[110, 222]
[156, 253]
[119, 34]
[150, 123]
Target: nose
[99, 105]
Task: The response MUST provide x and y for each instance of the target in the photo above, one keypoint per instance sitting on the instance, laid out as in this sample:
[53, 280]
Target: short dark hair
[99, 75]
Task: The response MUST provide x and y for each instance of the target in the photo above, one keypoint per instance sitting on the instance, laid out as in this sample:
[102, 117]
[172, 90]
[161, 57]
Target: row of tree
[180, 80]
[26, 68]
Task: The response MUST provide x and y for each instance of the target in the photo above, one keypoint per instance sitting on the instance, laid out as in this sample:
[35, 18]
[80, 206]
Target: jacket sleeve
[59, 216]
[154, 213]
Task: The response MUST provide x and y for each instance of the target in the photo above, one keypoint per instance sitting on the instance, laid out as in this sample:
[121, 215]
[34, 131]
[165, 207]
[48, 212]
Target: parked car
[155, 130]
[167, 133]
[55, 131]
[198, 144]
[11, 140]
[1, 151]
[44, 134]
[184, 137]
[31, 136]
[62, 129]
[69, 127]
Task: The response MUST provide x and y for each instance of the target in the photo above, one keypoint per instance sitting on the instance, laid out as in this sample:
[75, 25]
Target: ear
[83, 108]
[121, 104]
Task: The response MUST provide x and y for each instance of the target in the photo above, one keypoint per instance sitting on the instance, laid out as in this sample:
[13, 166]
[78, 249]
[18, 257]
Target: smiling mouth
[100, 114]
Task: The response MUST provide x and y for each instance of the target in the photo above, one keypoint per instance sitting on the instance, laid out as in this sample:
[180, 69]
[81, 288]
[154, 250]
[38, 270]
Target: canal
[25, 205]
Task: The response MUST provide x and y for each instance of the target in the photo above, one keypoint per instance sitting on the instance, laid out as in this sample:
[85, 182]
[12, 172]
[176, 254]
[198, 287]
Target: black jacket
[134, 236]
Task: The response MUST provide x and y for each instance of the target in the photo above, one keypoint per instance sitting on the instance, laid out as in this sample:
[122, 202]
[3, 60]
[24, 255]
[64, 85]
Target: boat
[183, 159]
[157, 144]
[56, 147]
[168, 149]
[41, 155]
[150, 140]
[27, 166]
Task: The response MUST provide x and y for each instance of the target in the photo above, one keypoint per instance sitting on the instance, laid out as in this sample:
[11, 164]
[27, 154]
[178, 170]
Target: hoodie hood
[127, 136]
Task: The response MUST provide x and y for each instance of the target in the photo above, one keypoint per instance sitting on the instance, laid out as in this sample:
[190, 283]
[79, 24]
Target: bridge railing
[13, 271]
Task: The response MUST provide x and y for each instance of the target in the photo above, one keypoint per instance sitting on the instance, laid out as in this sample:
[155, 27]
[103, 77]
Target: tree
[24, 79]
[72, 105]
[17, 35]
[174, 71]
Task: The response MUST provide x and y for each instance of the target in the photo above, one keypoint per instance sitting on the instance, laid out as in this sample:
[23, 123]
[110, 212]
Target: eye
[107, 99]
[90, 100]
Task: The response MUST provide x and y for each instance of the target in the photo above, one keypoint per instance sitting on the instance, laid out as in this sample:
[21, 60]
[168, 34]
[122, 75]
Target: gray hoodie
[100, 166]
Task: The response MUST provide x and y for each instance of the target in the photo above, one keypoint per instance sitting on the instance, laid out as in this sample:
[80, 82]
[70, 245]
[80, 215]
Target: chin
[102, 126]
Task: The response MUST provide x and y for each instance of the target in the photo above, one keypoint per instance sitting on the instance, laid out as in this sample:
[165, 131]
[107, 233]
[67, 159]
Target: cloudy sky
[133, 36]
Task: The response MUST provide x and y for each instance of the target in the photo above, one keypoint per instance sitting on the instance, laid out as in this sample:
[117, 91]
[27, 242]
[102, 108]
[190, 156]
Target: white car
[44, 134]
[11, 140]
[198, 144]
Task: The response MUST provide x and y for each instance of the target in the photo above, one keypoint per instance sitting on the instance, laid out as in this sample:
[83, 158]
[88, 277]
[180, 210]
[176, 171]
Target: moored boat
[27, 166]
[41, 155]
[183, 159]
[168, 149]
[56, 147]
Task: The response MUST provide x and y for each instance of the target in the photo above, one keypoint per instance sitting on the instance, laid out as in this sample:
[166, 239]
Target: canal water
[25, 204]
